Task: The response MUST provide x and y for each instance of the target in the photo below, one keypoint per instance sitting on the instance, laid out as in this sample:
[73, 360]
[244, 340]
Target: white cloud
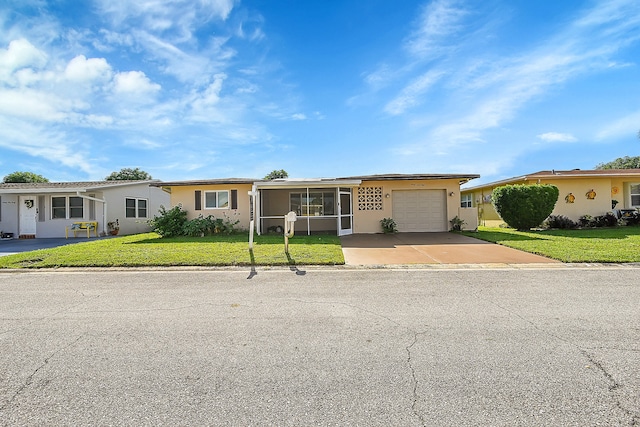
[211, 95]
[81, 69]
[38, 141]
[625, 127]
[412, 95]
[299, 116]
[492, 95]
[181, 17]
[33, 104]
[134, 83]
[557, 137]
[438, 21]
[20, 54]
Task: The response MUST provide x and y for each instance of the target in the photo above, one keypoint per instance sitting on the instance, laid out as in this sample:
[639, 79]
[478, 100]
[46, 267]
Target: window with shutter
[234, 199]
[198, 200]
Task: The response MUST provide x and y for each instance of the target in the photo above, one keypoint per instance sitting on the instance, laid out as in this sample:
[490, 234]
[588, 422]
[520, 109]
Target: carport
[430, 248]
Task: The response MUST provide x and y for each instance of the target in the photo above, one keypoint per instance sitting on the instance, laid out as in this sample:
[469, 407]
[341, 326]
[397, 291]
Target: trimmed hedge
[525, 206]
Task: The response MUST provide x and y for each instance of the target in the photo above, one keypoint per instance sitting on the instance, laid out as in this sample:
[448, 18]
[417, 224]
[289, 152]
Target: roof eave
[320, 183]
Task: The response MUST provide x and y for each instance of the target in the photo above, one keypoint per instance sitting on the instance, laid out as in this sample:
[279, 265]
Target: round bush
[525, 206]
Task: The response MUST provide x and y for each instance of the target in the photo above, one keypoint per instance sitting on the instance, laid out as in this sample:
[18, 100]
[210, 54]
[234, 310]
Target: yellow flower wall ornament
[591, 194]
[570, 198]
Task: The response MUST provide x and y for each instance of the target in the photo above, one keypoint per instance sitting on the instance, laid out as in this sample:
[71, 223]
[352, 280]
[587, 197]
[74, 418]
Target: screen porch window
[316, 204]
[216, 199]
[635, 195]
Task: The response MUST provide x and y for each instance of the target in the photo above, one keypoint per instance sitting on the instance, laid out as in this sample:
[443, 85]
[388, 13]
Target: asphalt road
[321, 347]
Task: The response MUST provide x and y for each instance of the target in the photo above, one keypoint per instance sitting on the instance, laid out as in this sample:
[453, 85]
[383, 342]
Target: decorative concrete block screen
[370, 198]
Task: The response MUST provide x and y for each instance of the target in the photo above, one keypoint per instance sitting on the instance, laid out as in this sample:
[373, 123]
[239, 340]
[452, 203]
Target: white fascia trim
[308, 184]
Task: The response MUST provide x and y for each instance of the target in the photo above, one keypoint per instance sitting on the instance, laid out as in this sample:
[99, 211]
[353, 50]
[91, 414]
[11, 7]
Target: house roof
[301, 182]
[309, 182]
[414, 177]
[206, 182]
[66, 187]
[562, 174]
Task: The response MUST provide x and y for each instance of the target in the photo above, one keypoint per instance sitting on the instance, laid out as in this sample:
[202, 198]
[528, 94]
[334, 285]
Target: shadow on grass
[510, 235]
[597, 233]
[187, 239]
[293, 267]
[497, 236]
[242, 238]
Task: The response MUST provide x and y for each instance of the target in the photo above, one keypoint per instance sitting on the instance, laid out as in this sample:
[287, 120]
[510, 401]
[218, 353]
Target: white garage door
[420, 210]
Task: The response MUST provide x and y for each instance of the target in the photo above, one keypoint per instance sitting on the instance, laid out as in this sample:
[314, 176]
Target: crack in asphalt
[416, 397]
[614, 385]
[29, 380]
[416, 334]
[49, 316]
[160, 309]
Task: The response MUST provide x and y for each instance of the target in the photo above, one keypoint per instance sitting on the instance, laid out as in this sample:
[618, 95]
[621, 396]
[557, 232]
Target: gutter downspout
[104, 210]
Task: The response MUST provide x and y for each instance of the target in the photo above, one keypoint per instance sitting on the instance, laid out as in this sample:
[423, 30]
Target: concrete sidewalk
[430, 248]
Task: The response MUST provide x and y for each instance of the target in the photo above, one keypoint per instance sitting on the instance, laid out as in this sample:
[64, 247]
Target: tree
[24, 177]
[525, 206]
[128, 174]
[275, 174]
[625, 162]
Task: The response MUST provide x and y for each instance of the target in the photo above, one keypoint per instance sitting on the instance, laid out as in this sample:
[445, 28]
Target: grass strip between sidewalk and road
[150, 250]
[605, 245]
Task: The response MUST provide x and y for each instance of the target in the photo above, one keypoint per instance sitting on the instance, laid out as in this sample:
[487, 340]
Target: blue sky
[197, 89]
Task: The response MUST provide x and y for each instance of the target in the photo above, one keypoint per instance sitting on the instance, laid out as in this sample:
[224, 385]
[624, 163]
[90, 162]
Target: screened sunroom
[321, 205]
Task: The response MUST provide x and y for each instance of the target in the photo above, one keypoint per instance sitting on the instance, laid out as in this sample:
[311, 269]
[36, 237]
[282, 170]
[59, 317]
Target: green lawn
[618, 244]
[151, 250]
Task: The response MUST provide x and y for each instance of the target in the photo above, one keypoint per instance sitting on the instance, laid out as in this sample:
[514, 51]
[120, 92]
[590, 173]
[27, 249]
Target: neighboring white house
[46, 209]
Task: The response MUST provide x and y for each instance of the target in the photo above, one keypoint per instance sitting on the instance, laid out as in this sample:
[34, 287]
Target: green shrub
[606, 220]
[206, 226]
[525, 206]
[560, 222]
[170, 223]
[457, 223]
[388, 225]
[200, 226]
[632, 219]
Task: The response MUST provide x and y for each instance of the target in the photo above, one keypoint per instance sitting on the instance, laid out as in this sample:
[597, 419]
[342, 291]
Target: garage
[420, 210]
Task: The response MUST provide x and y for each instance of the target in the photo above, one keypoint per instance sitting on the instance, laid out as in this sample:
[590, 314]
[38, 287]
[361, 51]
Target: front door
[28, 213]
[345, 212]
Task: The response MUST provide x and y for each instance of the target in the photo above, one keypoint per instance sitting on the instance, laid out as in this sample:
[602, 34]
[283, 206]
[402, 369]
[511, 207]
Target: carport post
[104, 210]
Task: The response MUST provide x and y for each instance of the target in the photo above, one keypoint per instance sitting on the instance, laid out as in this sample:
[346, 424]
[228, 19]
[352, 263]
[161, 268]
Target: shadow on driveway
[430, 248]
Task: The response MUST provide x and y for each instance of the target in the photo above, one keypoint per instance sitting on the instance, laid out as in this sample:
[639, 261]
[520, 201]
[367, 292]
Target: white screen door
[345, 212]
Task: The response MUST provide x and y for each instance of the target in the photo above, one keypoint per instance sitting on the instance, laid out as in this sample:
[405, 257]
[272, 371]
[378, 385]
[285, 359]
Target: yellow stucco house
[582, 192]
[417, 202]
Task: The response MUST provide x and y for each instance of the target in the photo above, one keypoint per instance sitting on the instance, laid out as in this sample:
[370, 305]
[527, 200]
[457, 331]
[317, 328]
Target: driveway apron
[430, 248]
[15, 246]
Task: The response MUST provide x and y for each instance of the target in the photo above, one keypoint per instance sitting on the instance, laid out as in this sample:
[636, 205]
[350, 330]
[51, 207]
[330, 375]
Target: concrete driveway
[430, 248]
[14, 246]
